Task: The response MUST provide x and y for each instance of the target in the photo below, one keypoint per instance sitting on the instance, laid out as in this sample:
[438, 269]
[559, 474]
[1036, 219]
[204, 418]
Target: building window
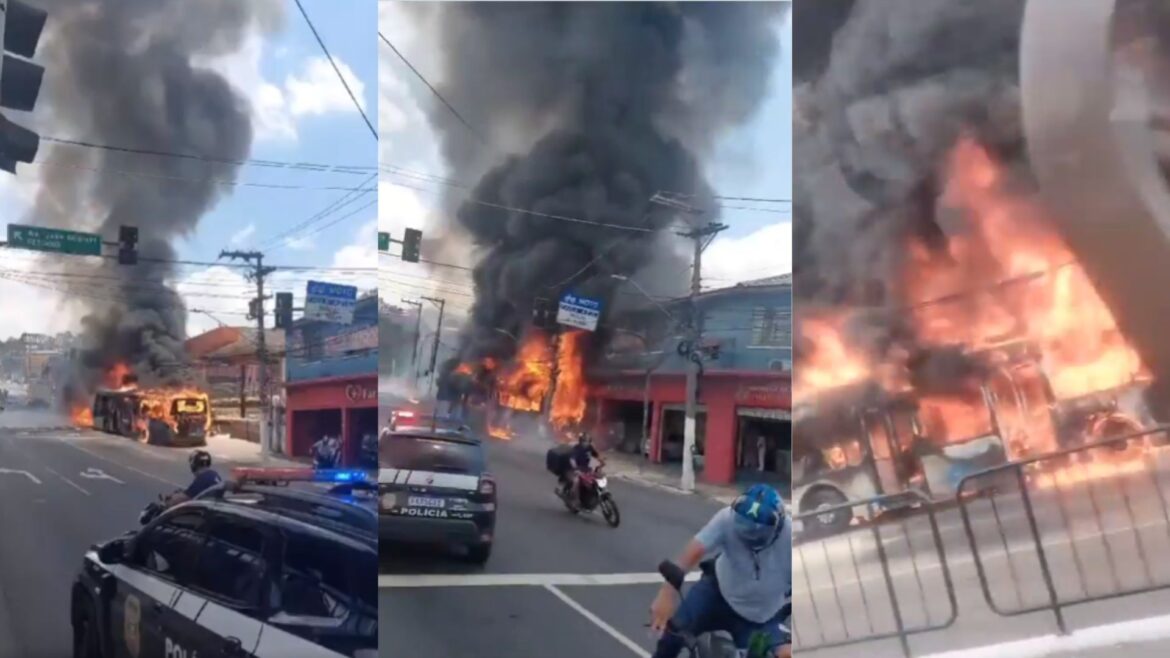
[771, 327]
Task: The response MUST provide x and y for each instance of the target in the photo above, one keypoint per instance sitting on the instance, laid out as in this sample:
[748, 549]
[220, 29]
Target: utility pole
[691, 348]
[417, 329]
[257, 274]
[442, 304]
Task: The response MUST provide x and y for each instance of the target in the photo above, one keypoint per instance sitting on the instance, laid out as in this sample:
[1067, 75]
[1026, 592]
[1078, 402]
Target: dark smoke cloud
[875, 115]
[600, 105]
[127, 72]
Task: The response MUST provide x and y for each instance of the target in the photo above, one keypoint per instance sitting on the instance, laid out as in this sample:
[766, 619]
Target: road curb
[661, 486]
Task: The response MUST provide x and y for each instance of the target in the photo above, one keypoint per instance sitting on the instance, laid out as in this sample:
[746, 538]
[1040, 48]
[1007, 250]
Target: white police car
[245, 570]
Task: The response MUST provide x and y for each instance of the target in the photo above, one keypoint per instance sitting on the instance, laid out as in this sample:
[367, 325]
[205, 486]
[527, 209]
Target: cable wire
[333, 63]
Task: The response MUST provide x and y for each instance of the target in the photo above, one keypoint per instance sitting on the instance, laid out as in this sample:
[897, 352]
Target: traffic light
[127, 245]
[411, 245]
[284, 309]
[20, 80]
[544, 313]
[383, 241]
[253, 308]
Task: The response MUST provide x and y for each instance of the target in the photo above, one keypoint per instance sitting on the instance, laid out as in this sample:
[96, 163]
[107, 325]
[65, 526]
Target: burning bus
[171, 416]
[999, 348]
[158, 417]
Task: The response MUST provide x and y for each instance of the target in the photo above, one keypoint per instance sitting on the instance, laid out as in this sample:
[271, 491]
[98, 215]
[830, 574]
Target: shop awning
[764, 414]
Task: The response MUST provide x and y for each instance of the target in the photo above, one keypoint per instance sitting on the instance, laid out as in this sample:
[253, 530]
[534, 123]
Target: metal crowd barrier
[1085, 524]
[881, 580]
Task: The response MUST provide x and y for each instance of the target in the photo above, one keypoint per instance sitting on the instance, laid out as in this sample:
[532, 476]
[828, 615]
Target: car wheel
[85, 637]
[479, 553]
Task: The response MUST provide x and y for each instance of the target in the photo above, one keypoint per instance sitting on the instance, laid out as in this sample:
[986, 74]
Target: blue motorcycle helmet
[759, 516]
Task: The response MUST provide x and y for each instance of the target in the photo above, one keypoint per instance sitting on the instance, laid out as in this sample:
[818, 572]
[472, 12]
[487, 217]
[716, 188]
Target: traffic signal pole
[258, 274]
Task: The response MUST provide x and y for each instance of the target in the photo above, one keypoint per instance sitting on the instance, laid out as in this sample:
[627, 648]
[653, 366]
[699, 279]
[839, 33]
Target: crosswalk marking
[521, 580]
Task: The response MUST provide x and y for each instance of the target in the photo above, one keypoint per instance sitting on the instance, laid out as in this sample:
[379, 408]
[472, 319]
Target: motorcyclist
[746, 594]
[205, 477]
[580, 459]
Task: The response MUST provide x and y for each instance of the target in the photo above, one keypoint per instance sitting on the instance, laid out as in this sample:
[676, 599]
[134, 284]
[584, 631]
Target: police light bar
[334, 475]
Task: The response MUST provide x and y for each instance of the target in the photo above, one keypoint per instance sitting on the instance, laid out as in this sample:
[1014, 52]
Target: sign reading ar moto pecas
[330, 302]
[579, 312]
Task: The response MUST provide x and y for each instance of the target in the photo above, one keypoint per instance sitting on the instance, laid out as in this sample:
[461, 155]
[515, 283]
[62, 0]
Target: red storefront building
[736, 410]
[744, 430]
[331, 382]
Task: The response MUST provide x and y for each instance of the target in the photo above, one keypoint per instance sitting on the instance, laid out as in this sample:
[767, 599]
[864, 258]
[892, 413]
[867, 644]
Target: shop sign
[359, 393]
[776, 394]
[620, 390]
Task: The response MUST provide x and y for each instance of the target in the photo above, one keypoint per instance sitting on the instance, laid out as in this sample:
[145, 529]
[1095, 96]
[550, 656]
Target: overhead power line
[316, 167]
[434, 91]
[336, 69]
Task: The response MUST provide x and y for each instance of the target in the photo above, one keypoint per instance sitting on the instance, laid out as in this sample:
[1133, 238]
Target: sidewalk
[238, 452]
[663, 476]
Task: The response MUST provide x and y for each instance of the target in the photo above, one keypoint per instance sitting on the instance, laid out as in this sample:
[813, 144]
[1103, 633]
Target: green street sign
[383, 241]
[39, 238]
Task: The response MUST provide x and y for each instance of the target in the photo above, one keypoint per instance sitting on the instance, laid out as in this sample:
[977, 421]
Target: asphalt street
[1096, 543]
[61, 490]
[556, 584]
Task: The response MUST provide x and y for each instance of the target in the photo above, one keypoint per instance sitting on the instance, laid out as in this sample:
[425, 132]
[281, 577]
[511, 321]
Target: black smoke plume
[585, 110]
[128, 73]
[881, 97]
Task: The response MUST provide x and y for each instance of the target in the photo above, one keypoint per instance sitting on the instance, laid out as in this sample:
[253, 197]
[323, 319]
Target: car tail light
[487, 486]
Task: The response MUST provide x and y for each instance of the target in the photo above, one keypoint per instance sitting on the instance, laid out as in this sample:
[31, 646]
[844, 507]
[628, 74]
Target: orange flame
[501, 433]
[81, 416]
[527, 383]
[568, 402]
[1001, 277]
[830, 363]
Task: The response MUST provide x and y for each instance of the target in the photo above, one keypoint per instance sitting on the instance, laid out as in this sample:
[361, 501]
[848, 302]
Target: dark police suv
[246, 570]
[434, 488]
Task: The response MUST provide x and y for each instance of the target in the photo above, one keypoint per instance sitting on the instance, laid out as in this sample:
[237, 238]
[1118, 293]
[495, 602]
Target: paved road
[841, 591]
[60, 491]
[543, 554]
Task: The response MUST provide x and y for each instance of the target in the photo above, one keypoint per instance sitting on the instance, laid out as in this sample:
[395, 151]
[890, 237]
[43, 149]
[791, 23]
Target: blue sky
[754, 161]
[301, 113]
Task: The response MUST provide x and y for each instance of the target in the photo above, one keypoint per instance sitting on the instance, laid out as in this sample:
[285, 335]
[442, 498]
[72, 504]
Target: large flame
[524, 386]
[547, 373]
[568, 402]
[1001, 277]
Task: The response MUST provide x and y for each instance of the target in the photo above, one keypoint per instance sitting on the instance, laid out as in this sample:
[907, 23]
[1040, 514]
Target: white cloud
[317, 91]
[214, 296]
[764, 252]
[312, 91]
[243, 235]
[299, 243]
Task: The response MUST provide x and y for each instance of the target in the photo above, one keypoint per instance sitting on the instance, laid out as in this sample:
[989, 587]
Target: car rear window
[424, 453]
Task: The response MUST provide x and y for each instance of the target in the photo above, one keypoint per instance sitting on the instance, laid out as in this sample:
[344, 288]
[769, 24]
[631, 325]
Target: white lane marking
[110, 461]
[599, 622]
[14, 471]
[521, 580]
[98, 474]
[1121, 634]
[67, 480]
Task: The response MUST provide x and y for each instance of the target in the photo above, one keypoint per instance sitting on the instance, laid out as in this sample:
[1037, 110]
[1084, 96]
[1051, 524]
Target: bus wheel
[829, 522]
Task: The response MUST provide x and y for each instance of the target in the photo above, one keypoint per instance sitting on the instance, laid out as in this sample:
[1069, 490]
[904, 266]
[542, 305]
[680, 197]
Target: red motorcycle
[594, 495]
